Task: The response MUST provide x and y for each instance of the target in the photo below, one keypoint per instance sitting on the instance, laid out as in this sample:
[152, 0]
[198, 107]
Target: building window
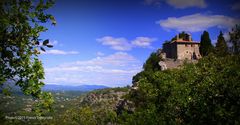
[192, 45]
[186, 45]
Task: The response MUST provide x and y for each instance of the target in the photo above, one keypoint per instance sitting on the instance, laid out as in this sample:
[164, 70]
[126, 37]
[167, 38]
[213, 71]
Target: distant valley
[85, 88]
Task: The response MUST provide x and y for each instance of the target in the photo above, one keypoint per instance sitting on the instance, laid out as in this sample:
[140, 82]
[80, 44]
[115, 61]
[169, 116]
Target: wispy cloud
[124, 44]
[118, 68]
[197, 22]
[59, 52]
[144, 42]
[115, 43]
[179, 4]
[100, 54]
[54, 42]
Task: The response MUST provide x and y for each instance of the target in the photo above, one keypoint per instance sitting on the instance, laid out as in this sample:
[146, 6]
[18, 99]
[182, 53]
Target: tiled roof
[184, 41]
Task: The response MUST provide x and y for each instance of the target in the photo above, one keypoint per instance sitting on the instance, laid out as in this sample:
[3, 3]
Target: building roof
[185, 41]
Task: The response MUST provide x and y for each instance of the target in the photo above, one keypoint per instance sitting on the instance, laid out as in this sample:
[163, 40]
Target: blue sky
[106, 42]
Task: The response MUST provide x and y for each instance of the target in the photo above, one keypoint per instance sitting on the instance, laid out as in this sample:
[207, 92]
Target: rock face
[163, 65]
[111, 99]
[106, 97]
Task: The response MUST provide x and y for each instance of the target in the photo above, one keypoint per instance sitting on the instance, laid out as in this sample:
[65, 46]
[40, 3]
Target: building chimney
[189, 38]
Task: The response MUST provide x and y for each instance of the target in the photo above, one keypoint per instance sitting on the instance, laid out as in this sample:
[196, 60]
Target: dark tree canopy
[221, 48]
[195, 94]
[206, 46]
[20, 26]
[152, 63]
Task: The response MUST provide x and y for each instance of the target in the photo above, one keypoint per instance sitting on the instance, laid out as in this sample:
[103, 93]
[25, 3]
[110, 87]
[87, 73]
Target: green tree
[221, 48]
[235, 39]
[152, 62]
[206, 46]
[203, 93]
[151, 65]
[21, 22]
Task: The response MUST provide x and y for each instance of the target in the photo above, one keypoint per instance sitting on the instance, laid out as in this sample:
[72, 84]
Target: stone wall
[172, 63]
[188, 51]
[170, 49]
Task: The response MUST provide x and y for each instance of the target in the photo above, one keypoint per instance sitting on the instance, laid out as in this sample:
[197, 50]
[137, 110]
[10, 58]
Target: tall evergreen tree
[206, 46]
[221, 45]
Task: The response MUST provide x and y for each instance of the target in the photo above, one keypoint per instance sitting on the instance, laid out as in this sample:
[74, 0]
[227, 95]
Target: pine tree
[206, 46]
[221, 48]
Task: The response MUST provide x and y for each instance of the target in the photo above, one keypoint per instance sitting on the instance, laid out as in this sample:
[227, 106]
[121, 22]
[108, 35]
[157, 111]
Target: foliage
[86, 115]
[206, 46]
[152, 63]
[150, 66]
[235, 39]
[20, 27]
[109, 90]
[204, 93]
[221, 48]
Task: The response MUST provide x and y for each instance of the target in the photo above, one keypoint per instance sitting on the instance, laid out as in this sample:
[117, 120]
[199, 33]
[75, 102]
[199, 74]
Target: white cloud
[54, 42]
[100, 54]
[226, 36]
[124, 45]
[59, 52]
[111, 70]
[144, 42]
[116, 59]
[181, 4]
[115, 43]
[236, 6]
[197, 22]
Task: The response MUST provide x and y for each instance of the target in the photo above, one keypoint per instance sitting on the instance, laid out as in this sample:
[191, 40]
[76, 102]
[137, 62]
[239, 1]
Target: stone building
[181, 49]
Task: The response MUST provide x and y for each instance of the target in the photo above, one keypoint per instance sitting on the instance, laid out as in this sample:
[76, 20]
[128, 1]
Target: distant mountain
[53, 87]
[49, 87]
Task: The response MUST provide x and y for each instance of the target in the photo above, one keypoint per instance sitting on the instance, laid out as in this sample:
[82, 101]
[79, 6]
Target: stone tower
[182, 48]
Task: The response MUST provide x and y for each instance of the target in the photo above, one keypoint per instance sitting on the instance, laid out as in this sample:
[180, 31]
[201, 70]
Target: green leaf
[53, 20]
[6, 91]
[49, 46]
[45, 42]
[37, 42]
[42, 49]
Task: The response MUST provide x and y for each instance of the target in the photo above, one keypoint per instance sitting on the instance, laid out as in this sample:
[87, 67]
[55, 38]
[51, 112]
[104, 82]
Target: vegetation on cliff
[207, 92]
